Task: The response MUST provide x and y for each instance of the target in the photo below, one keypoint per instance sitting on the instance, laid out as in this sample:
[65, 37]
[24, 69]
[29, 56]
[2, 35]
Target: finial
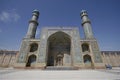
[36, 11]
[83, 12]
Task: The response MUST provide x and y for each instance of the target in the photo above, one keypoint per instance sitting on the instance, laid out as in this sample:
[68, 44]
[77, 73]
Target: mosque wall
[8, 58]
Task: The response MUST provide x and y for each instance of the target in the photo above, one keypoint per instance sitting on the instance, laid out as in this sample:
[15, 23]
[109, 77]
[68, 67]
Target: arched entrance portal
[59, 45]
[31, 60]
[87, 61]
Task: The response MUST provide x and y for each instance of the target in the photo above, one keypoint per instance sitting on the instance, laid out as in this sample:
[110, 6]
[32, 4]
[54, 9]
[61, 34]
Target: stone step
[60, 68]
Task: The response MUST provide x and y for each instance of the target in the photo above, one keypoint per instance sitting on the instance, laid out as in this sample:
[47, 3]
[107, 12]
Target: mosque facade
[61, 46]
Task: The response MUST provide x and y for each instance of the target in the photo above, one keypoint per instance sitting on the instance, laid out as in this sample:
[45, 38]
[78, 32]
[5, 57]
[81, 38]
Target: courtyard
[37, 74]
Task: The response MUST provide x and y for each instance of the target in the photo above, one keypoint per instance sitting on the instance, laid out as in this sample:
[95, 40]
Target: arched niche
[31, 60]
[59, 43]
[33, 47]
[85, 47]
[87, 59]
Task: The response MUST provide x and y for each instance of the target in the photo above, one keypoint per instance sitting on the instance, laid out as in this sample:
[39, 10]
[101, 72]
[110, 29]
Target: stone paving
[36, 74]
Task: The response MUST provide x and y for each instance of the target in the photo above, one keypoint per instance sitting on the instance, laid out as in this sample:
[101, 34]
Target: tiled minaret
[33, 23]
[86, 23]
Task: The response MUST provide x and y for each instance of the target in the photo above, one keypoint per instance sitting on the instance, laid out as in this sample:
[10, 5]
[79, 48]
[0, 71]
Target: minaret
[33, 23]
[86, 23]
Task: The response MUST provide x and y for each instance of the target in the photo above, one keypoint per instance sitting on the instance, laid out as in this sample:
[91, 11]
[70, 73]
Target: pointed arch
[31, 60]
[59, 33]
[85, 47]
[33, 47]
[88, 61]
[58, 43]
[87, 58]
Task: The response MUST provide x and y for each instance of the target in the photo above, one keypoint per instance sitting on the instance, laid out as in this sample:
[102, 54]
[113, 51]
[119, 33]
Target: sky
[104, 16]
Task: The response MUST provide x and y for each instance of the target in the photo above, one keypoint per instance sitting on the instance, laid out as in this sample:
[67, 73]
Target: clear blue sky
[104, 15]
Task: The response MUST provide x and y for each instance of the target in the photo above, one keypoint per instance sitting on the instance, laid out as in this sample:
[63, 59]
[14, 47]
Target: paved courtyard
[14, 74]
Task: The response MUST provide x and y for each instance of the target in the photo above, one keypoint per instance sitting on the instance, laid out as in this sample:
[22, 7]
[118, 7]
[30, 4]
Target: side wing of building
[7, 58]
[111, 58]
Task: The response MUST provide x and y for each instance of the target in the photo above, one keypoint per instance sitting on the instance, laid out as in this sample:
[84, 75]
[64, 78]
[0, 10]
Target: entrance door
[59, 60]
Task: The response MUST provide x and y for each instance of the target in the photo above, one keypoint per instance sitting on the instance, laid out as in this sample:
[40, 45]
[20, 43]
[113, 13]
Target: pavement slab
[58, 75]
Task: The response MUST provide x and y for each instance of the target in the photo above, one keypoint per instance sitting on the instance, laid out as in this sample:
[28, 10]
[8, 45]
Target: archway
[31, 60]
[33, 47]
[88, 61]
[59, 45]
[85, 47]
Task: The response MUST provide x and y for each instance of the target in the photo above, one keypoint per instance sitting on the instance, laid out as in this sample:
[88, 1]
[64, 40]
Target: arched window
[85, 47]
[33, 47]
